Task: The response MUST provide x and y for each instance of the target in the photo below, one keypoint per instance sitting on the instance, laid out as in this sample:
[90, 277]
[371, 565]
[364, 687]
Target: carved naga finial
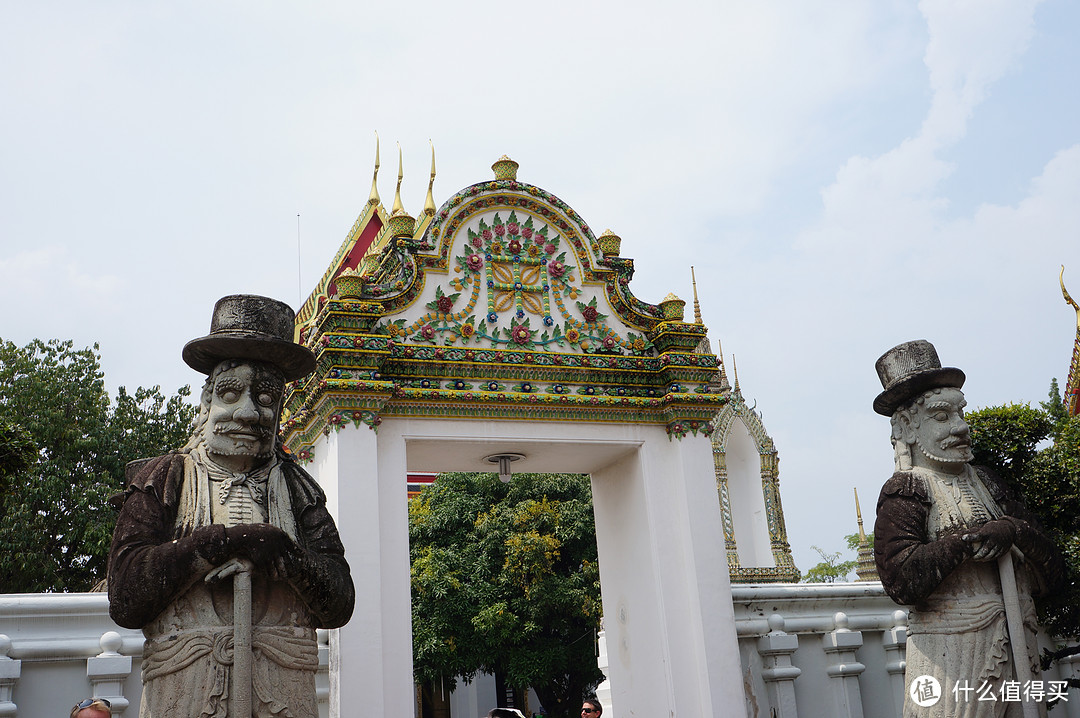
[429, 203]
[373, 198]
[1069, 300]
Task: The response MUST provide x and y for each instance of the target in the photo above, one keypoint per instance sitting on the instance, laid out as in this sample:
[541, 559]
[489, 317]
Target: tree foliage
[1012, 440]
[57, 524]
[505, 580]
[831, 569]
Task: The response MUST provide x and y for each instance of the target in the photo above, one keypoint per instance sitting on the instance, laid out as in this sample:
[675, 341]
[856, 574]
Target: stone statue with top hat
[224, 552]
[954, 544]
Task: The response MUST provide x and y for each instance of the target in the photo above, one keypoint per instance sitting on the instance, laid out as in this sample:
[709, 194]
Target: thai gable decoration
[500, 304]
[1072, 384]
[748, 478]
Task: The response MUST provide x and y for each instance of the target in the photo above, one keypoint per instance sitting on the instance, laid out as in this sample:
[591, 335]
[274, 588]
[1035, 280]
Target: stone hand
[262, 544]
[991, 540]
[229, 568]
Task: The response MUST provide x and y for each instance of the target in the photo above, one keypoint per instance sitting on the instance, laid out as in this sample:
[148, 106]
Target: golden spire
[735, 371]
[398, 206]
[858, 517]
[697, 307]
[1069, 300]
[865, 567]
[373, 198]
[429, 203]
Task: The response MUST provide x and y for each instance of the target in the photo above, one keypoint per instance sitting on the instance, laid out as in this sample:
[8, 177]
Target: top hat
[908, 370]
[246, 326]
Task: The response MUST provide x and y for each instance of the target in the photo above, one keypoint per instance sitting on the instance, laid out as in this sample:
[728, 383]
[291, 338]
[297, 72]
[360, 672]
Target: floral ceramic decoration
[530, 296]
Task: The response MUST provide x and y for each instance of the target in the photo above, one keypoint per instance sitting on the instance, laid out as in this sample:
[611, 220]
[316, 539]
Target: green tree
[57, 523]
[1011, 440]
[831, 569]
[505, 581]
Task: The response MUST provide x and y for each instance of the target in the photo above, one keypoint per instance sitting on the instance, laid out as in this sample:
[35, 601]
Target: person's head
[591, 708]
[504, 713]
[932, 431]
[92, 708]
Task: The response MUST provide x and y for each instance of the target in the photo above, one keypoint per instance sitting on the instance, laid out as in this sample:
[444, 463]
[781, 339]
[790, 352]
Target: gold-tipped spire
[697, 307]
[1069, 300]
[397, 193]
[373, 198]
[429, 203]
[866, 566]
[735, 372]
[858, 517]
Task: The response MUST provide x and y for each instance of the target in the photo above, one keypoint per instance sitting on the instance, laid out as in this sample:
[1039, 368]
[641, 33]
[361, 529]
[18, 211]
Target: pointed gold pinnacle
[373, 198]
[397, 193]
[429, 203]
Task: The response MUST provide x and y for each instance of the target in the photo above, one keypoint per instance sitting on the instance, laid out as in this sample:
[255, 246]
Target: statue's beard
[949, 443]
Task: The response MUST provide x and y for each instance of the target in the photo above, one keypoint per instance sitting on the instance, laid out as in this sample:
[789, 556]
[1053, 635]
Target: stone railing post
[894, 640]
[844, 669]
[10, 670]
[108, 670]
[775, 648]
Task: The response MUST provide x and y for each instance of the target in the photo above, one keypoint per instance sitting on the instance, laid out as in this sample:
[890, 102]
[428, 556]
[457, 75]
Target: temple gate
[499, 325]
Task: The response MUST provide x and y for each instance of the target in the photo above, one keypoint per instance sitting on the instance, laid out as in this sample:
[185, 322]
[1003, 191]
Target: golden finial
[429, 203]
[397, 194]
[505, 168]
[373, 198]
[697, 307]
[735, 372]
[858, 517]
[1069, 300]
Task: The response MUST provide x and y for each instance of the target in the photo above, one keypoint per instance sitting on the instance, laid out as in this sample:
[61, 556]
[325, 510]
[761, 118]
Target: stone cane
[241, 672]
[1015, 621]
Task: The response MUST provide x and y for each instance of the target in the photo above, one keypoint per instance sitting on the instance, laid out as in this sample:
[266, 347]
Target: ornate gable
[501, 303]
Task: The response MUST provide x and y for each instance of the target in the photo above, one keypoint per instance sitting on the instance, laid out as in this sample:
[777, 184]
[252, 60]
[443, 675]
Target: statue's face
[244, 406]
[941, 436]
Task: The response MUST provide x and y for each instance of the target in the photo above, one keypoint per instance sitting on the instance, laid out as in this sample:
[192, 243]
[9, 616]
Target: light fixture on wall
[504, 461]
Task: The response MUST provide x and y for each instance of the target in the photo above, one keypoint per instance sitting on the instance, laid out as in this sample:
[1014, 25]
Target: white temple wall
[748, 516]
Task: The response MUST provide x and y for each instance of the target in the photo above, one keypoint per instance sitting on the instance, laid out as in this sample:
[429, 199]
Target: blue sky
[845, 176]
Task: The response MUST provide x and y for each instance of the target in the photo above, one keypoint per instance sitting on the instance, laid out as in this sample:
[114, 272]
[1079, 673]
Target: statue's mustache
[236, 426]
[955, 441]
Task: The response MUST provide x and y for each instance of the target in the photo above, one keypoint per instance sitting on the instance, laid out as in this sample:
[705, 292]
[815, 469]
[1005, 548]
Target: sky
[843, 176]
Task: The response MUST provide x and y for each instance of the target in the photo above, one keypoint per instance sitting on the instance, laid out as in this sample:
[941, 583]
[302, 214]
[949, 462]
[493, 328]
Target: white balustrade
[894, 641]
[108, 670]
[776, 648]
[798, 656]
[10, 670]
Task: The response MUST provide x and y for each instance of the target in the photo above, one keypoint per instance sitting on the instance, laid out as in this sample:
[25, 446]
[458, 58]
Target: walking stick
[241, 672]
[1015, 621]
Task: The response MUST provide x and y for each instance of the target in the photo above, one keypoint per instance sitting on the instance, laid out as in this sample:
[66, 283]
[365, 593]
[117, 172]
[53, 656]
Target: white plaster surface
[660, 540]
